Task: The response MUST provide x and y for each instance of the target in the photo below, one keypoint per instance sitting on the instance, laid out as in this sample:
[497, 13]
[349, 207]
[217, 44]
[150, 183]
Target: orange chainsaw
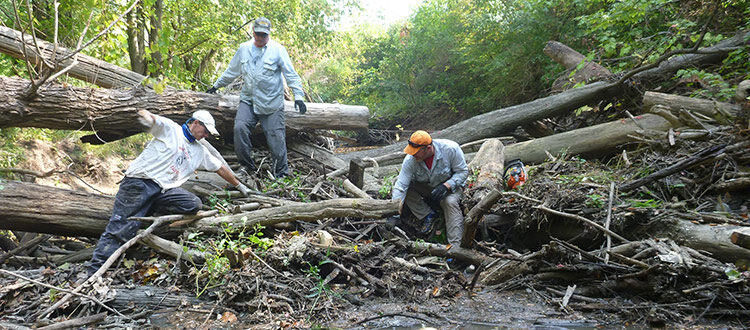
[514, 174]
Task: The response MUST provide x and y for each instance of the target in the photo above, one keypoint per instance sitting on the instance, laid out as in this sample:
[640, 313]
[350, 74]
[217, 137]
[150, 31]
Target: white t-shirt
[169, 158]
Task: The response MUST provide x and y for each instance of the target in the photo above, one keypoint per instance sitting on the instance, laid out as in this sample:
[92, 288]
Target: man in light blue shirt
[433, 171]
[261, 62]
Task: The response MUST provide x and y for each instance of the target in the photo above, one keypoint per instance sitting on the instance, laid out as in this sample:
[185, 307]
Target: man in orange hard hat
[433, 171]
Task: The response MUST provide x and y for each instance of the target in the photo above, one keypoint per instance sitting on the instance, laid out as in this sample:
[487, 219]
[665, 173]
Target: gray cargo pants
[274, 127]
[454, 218]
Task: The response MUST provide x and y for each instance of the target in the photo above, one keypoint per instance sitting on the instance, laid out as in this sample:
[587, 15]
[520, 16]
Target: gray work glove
[243, 189]
[300, 106]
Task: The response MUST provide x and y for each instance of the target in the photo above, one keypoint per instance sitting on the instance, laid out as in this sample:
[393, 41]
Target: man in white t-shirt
[152, 182]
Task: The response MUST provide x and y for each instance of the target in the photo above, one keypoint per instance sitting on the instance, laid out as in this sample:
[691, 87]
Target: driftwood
[330, 161]
[597, 139]
[496, 123]
[113, 112]
[723, 112]
[571, 60]
[716, 240]
[24, 246]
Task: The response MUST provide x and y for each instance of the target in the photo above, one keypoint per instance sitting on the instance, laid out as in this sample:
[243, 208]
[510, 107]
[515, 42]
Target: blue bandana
[188, 135]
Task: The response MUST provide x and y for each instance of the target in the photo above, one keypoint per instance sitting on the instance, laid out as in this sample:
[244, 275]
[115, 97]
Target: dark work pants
[274, 127]
[138, 198]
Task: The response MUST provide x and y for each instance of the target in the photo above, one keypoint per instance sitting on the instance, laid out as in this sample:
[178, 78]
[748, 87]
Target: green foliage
[595, 201]
[387, 187]
[707, 85]
[644, 203]
[212, 273]
[292, 184]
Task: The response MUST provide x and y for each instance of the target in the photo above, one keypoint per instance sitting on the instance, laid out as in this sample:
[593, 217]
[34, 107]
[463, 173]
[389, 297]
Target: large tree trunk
[29, 207]
[571, 59]
[702, 237]
[723, 112]
[113, 112]
[88, 69]
[495, 123]
[593, 140]
[41, 209]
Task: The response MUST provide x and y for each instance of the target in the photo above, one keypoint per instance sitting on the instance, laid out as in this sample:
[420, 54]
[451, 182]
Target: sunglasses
[415, 145]
[261, 34]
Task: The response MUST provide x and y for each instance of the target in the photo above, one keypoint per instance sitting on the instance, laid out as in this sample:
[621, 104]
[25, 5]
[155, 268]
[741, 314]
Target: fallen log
[150, 297]
[342, 207]
[41, 209]
[26, 207]
[475, 215]
[88, 68]
[571, 60]
[714, 239]
[740, 238]
[489, 162]
[112, 113]
[76, 323]
[593, 140]
[495, 123]
[724, 113]
[447, 251]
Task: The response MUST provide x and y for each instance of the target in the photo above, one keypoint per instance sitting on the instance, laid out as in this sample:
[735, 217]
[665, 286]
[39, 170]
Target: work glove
[243, 189]
[211, 90]
[300, 106]
[439, 192]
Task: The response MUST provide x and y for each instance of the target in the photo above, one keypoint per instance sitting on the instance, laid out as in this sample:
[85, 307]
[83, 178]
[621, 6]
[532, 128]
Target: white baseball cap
[205, 117]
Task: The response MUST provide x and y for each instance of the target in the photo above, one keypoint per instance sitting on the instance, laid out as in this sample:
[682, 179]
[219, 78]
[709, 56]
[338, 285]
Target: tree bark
[722, 112]
[490, 162]
[41, 209]
[149, 297]
[570, 59]
[597, 139]
[495, 123]
[27, 207]
[714, 239]
[114, 111]
[88, 69]
[741, 238]
[342, 207]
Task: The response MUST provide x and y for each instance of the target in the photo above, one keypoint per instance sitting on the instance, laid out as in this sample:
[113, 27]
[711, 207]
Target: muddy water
[482, 310]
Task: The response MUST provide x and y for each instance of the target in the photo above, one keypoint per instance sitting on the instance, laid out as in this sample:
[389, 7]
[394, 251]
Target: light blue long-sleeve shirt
[448, 165]
[261, 68]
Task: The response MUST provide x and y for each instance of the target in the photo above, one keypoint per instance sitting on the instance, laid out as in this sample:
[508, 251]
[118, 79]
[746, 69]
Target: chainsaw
[514, 175]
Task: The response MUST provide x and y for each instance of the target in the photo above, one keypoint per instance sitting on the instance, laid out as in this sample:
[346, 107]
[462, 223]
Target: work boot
[392, 222]
[427, 223]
